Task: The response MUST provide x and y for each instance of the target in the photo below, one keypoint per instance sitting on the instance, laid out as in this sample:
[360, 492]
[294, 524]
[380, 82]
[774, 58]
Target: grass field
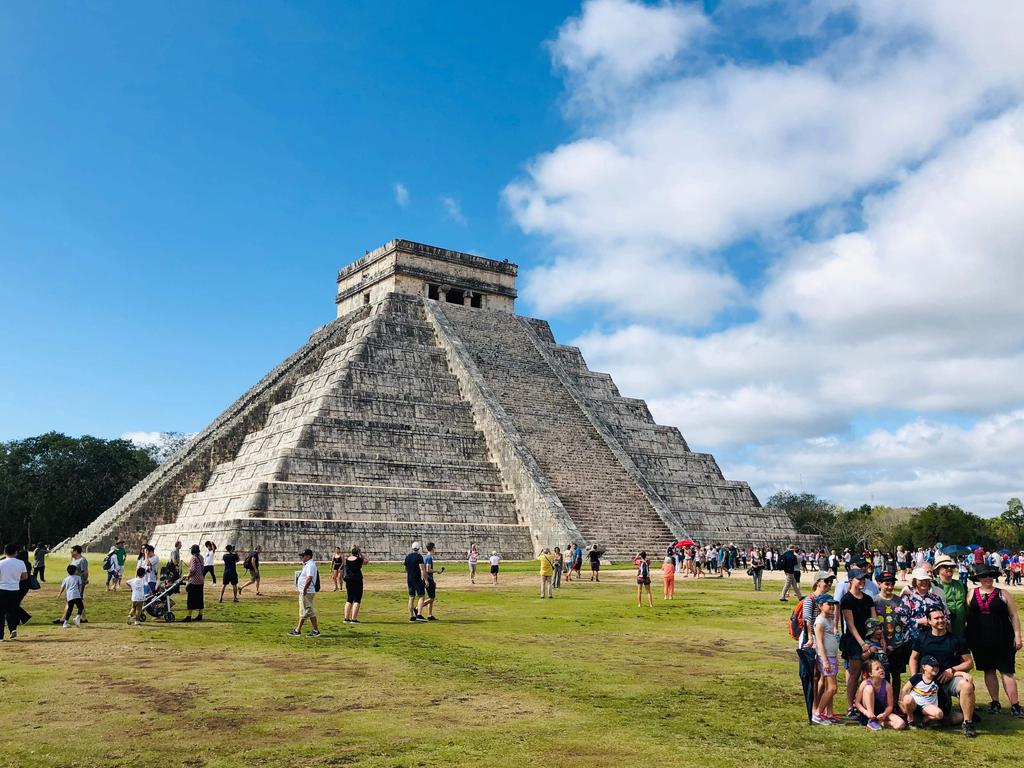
[505, 679]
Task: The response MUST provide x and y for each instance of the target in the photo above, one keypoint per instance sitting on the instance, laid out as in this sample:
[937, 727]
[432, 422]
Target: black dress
[990, 633]
[353, 578]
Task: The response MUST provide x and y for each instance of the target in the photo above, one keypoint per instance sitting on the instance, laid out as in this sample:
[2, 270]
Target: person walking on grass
[495, 561]
[352, 575]
[337, 564]
[71, 588]
[416, 582]
[194, 585]
[668, 572]
[474, 557]
[307, 582]
[643, 579]
[547, 570]
[756, 568]
[113, 569]
[39, 553]
[82, 570]
[790, 567]
[430, 586]
[230, 573]
[994, 637]
[13, 574]
[138, 587]
[175, 556]
[251, 564]
[208, 555]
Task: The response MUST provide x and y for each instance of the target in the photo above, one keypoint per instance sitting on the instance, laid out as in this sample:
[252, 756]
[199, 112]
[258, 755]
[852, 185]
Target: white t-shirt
[138, 586]
[11, 569]
[308, 572]
[152, 567]
[495, 559]
[72, 587]
[83, 568]
[208, 559]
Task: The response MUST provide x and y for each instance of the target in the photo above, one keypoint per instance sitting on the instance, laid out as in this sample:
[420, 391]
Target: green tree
[949, 524]
[53, 485]
[1012, 520]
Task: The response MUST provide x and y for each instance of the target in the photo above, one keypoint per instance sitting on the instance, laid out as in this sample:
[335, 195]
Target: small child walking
[643, 579]
[495, 564]
[138, 586]
[668, 570]
[71, 588]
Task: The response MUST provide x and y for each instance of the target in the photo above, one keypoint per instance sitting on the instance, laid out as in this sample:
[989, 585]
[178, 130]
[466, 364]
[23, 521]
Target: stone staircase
[602, 499]
[376, 447]
[706, 507]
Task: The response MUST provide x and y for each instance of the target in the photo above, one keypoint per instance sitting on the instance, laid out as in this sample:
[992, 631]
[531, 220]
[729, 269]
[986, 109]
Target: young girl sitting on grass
[875, 702]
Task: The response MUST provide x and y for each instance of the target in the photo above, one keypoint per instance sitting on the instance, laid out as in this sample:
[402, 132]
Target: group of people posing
[935, 628]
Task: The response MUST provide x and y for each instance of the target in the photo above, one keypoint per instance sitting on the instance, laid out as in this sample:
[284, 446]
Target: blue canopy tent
[955, 549]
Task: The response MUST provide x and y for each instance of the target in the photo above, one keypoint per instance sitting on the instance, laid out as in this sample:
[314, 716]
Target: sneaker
[968, 729]
[78, 621]
[187, 619]
[994, 707]
[412, 618]
[315, 633]
[420, 618]
[1016, 711]
[431, 618]
[65, 625]
[874, 725]
[820, 720]
[851, 713]
[353, 621]
[293, 633]
[836, 719]
[14, 634]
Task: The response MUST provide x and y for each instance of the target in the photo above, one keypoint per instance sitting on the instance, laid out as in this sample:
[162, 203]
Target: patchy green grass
[505, 679]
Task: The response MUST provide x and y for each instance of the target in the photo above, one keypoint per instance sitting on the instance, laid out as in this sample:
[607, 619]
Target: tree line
[868, 527]
[52, 486]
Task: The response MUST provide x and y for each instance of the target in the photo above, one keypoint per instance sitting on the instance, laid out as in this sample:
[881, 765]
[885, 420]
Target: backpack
[247, 563]
[106, 561]
[796, 620]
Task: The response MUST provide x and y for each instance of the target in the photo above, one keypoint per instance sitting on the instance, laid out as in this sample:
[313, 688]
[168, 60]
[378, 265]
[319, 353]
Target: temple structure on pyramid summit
[428, 410]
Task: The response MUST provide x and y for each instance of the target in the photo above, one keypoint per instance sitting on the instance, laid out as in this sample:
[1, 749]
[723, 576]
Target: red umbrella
[684, 543]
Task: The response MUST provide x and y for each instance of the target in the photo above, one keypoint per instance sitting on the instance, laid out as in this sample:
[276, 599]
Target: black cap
[931, 661]
[307, 553]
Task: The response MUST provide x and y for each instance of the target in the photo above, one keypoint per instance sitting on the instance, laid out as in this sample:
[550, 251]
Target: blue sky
[748, 213]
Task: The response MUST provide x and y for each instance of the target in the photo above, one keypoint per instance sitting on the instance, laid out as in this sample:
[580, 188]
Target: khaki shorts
[306, 610]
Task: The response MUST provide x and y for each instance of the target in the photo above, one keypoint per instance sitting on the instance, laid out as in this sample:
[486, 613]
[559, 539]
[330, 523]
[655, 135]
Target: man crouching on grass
[953, 664]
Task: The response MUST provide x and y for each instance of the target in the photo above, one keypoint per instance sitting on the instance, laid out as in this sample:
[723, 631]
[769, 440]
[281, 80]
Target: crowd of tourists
[934, 628]
[906, 654]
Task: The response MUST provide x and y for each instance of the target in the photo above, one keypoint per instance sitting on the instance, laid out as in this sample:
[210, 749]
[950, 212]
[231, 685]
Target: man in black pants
[39, 553]
[790, 566]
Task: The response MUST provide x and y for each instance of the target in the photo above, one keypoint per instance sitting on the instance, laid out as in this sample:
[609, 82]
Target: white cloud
[614, 43]
[144, 439]
[401, 194]
[906, 300]
[452, 210]
[977, 466]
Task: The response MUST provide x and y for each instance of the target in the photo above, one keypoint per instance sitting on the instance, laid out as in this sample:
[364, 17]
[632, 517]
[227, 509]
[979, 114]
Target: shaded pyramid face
[429, 411]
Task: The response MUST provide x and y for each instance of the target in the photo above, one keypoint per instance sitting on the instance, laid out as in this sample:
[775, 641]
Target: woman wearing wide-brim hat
[994, 637]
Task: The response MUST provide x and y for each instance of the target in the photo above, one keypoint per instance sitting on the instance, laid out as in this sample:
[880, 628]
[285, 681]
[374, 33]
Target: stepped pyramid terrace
[428, 410]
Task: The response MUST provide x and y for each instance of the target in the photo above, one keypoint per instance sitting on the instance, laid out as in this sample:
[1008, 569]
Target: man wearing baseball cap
[307, 581]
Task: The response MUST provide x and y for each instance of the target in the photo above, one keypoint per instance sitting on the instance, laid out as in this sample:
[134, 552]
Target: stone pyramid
[430, 411]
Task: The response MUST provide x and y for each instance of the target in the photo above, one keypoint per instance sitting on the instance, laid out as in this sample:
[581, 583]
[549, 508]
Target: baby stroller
[159, 604]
